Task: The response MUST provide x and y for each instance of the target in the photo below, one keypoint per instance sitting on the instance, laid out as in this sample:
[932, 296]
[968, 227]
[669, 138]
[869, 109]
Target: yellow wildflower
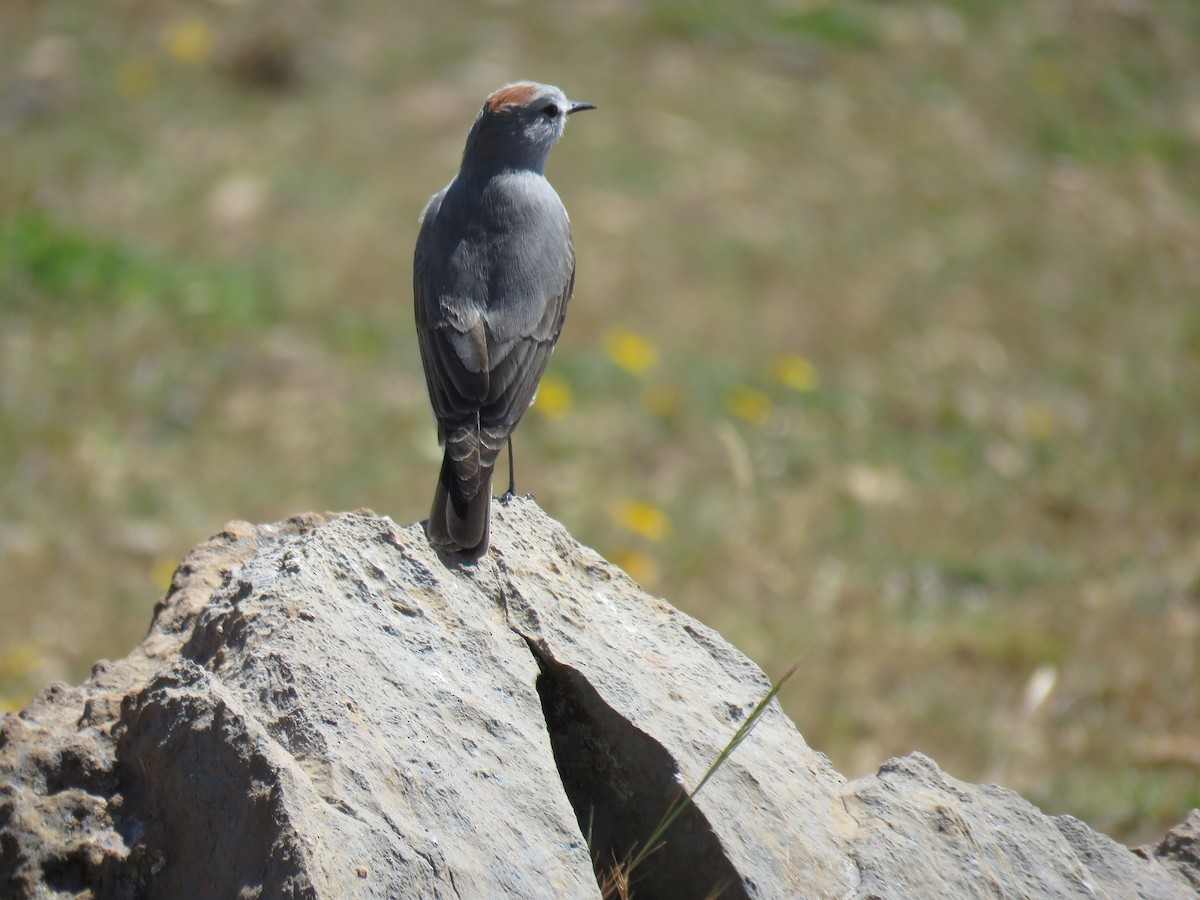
[162, 571]
[630, 351]
[639, 566]
[553, 398]
[1038, 422]
[644, 519]
[20, 659]
[189, 41]
[748, 403]
[796, 372]
[134, 79]
[661, 399]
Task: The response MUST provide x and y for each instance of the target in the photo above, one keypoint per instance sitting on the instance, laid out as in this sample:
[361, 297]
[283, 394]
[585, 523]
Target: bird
[493, 272]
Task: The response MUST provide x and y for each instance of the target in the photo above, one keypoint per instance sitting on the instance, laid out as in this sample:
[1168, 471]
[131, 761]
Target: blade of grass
[668, 819]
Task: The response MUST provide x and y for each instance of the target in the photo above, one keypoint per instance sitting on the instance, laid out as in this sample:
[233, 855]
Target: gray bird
[493, 271]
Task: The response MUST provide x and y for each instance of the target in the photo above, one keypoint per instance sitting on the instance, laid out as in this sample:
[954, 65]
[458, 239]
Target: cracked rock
[322, 708]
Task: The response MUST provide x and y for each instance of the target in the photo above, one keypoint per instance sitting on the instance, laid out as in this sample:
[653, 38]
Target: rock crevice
[621, 783]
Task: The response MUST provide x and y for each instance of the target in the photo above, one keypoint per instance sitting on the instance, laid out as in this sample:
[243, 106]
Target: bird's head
[518, 125]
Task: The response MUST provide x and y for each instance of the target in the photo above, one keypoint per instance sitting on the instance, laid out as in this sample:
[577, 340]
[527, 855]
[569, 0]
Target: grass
[618, 879]
[885, 349]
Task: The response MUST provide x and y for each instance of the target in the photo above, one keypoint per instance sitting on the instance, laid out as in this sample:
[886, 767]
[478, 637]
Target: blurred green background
[884, 353]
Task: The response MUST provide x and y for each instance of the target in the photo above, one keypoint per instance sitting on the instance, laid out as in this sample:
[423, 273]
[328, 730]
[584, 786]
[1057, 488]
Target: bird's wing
[451, 332]
[517, 365]
[528, 296]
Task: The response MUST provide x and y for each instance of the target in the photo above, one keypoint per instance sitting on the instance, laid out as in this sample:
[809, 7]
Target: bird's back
[502, 246]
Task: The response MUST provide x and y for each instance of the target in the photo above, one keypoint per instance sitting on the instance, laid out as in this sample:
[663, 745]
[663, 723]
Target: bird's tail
[460, 518]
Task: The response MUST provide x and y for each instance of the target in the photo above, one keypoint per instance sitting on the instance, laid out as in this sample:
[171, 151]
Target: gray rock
[1179, 849]
[323, 708]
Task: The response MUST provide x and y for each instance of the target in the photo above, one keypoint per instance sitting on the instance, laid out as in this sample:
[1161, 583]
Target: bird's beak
[579, 107]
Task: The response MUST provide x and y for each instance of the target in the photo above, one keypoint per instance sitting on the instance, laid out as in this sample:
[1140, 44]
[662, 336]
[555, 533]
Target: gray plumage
[493, 272]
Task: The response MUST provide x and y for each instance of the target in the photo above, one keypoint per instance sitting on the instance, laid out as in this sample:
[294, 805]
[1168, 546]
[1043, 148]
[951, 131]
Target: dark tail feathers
[459, 524]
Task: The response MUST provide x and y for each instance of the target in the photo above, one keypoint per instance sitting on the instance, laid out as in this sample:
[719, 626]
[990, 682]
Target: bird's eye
[551, 111]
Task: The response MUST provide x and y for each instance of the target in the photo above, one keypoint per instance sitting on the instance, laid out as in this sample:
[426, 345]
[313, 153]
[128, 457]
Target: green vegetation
[885, 351]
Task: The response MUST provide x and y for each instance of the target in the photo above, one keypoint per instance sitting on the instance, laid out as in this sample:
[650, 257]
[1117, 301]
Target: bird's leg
[512, 478]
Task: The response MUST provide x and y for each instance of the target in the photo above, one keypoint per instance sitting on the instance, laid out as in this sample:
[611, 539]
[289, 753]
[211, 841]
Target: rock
[323, 708]
[1180, 850]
